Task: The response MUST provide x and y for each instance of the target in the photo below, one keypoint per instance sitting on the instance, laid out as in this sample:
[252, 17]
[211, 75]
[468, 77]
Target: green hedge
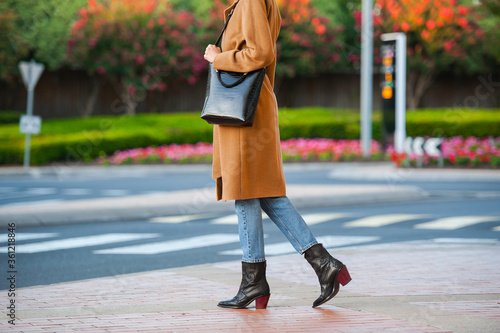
[323, 123]
[77, 139]
[10, 117]
[453, 122]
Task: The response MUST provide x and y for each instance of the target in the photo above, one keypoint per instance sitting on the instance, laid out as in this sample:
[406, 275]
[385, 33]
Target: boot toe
[229, 305]
[320, 300]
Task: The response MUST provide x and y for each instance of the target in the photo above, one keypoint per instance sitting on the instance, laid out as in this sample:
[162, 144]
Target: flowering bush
[200, 152]
[308, 42]
[143, 42]
[457, 151]
[326, 150]
[441, 36]
[12, 49]
[439, 32]
[293, 150]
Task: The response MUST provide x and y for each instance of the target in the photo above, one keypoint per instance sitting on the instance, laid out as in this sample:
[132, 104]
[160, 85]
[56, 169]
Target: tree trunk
[417, 85]
[130, 103]
[97, 83]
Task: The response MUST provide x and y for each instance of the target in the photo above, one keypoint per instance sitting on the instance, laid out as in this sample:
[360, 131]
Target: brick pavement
[400, 287]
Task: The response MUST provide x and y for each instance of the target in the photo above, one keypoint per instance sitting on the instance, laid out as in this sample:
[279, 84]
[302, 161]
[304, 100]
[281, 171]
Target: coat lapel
[228, 9]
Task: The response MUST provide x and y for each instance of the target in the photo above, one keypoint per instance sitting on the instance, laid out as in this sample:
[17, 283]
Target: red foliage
[144, 42]
[438, 31]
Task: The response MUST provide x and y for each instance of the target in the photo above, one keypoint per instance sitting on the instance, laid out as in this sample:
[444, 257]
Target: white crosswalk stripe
[17, 193]
[466, 241]
[28, 236]
[455, 222]
[174, 245]
[77, 242]
[7, 189]
[40, 191]
[310, 219]
[383, 220]
[178, 218]
[374, 221]
[76, 191]
[36, 202]
[115, 193]
[445, 223]
[327, 241]
[29, 192]
[230, 219]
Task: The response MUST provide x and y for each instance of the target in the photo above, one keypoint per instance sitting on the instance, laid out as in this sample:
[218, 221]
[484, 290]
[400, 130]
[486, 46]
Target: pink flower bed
[326, 150]
[456, 151]
[186, 153]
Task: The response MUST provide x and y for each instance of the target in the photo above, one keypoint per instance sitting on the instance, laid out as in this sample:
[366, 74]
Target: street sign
[30, 124]
[418, 146]
[424, 146]
[31, 72]
[433, 146]
[421, 146]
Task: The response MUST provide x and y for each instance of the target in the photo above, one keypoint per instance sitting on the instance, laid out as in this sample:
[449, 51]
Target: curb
[365, 171]
[92, 170]
[392, 174]
[186, 202]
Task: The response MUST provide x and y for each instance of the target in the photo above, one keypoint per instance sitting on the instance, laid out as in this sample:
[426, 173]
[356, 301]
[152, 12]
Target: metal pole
[366, 76]
[400, 134]
[27, 143]
[29, 112]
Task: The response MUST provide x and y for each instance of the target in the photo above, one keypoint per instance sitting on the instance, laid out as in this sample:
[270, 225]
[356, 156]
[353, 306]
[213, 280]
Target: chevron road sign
[421, 146]
[427, 146]
[432, 146]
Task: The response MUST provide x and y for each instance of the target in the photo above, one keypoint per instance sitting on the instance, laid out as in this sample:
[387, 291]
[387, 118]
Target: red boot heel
[261, 302]
[343, 277]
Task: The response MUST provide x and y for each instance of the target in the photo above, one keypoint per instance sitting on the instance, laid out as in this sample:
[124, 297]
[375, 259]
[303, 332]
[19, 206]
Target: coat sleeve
[258, 47]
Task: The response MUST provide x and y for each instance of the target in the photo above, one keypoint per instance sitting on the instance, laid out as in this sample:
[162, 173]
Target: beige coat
[247, 160]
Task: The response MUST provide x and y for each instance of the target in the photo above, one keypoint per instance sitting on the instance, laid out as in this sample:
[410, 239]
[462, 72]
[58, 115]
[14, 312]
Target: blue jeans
[283, 213]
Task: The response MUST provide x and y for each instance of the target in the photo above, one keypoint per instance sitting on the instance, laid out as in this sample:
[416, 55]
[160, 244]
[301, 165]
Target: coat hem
[255, 196]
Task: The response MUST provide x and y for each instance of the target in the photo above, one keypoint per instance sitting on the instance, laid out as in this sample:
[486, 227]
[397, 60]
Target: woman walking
[247, 162]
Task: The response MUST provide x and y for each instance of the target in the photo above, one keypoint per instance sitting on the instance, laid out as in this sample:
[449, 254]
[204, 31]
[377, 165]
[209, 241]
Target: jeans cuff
[253, 261]
[308, 246]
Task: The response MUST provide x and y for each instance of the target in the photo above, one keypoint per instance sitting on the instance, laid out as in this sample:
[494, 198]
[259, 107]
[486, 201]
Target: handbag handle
[241, 79]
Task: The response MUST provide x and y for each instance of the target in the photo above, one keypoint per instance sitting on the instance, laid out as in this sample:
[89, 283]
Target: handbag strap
[217, 43]
[227, 21]
[244, 75]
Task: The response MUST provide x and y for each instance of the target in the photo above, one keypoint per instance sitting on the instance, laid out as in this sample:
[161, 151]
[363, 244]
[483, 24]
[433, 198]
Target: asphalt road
[49, 189]
[199, 240]
[462, 212]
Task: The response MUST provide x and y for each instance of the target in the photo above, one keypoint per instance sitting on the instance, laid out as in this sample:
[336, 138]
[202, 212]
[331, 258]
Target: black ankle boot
[253, 287]
[329, 270]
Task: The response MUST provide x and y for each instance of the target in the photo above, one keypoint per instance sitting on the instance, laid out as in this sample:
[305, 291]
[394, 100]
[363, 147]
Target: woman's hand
[211, 52]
